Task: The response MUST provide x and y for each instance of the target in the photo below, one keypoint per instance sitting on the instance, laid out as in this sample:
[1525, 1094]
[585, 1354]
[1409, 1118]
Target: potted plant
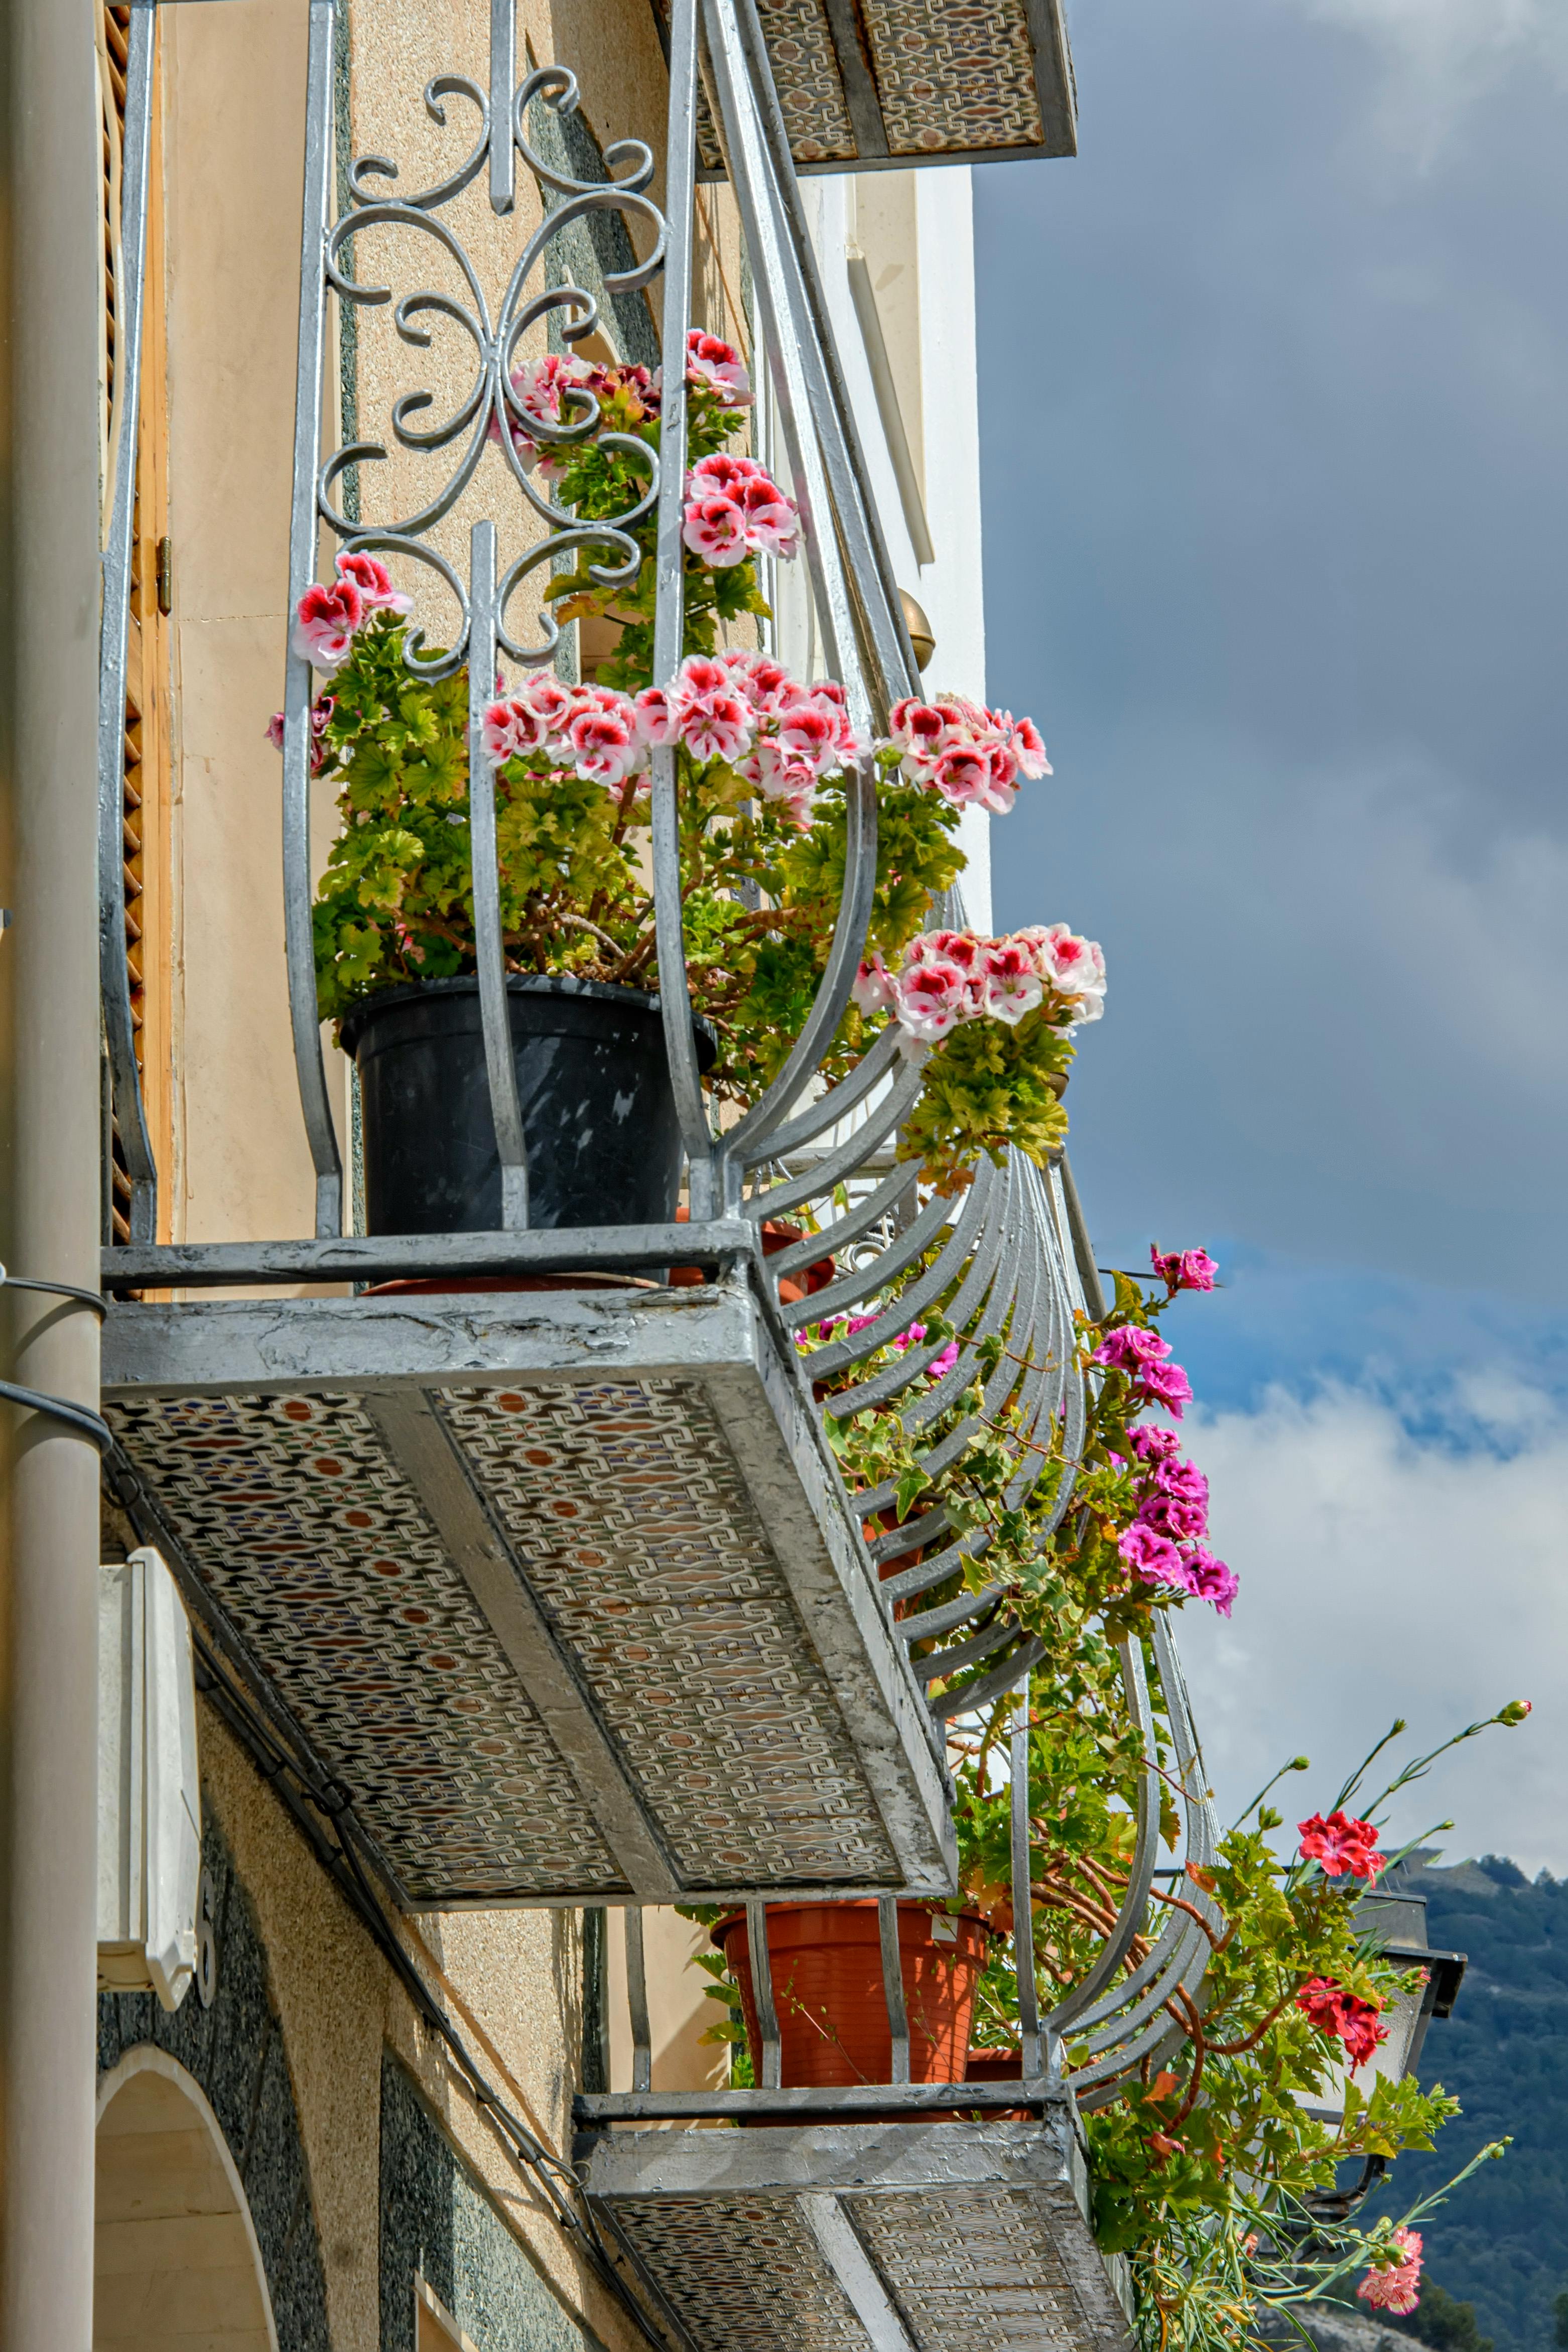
[826, 1964]
[1209, 2168]
[762, 760]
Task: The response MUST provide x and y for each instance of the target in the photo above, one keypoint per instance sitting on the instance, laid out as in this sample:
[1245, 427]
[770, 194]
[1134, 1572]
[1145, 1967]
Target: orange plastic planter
[826, 1962]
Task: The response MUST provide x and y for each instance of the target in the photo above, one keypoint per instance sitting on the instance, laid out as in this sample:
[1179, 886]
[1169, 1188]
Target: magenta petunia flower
[1183, 1269]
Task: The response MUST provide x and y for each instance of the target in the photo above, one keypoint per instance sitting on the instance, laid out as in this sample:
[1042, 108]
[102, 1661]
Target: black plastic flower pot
[598, 1110]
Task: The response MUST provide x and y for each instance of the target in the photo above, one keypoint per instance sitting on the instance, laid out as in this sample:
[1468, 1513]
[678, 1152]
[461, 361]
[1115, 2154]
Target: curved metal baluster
[811, 428]
[887, 653]
[851, 1287]
[832, 1107]
[901, 1311]
[928, 1624]
[826, 1240]
[299, 947]
[1180, 1957]
[675, 996]
[909, 1367]
[114, 972]
[1135, 1902]
[980, 1694]
[846, 1158]
[832, 997]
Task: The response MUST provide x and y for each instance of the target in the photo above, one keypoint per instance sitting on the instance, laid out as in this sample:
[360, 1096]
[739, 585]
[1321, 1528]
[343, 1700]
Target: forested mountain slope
[1502, 2241]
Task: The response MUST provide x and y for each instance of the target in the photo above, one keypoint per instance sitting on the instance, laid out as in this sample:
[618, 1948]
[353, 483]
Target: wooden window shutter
[147, 768]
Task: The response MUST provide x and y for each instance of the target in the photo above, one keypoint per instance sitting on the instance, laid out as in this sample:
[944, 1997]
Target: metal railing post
[489, 950]
[1029, 2037]
[893, 1984]
[114, 972]
[669, 615]
[299, 947]
[637, 2001]
[761, 1962]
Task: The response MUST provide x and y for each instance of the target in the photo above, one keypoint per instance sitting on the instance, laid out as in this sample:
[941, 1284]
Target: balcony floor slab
[558, 1587]
[830, 2236]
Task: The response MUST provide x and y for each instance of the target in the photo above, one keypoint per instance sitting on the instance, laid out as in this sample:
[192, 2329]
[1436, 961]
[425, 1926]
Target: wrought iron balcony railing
[926, 2216]
[560, 1586]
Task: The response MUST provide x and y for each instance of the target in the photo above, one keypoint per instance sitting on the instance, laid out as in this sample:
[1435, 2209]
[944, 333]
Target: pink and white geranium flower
[1011, 985]
[717, 726]
[734, 508]
[715, 529]
[992, 979]
[606, 742]
[325, 623]
[589, 729]
[373, 581]
[931, 999]
[718, 368]
[972, 756]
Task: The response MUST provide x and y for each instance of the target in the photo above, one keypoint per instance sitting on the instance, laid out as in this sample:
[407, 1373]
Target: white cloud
[1388, 1574]
[1444, 54]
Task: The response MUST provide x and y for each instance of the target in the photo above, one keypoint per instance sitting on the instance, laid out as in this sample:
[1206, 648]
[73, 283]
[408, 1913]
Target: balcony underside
[868, 84]
[558, 1587]
[902, 2237]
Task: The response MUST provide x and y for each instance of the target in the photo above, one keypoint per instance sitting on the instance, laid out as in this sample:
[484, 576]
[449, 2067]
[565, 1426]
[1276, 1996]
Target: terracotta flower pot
[826, 1963]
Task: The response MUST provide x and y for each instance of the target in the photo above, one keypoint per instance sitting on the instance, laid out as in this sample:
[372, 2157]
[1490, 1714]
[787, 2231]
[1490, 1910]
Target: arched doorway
[176, 2259]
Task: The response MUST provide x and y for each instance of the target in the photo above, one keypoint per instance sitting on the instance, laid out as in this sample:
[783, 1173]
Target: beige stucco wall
[232, 85]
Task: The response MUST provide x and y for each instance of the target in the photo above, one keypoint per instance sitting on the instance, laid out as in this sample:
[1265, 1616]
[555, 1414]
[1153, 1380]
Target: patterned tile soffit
[745, 2273]
[626, 1510]
[320, 1556]
[806, 74]
[992, 2270]
[954, 77]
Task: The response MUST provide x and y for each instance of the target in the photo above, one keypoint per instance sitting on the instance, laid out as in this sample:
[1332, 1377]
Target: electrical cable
[78, 1417]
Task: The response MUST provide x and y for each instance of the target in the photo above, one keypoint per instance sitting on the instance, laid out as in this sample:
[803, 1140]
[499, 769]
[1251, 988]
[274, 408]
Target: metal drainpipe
[50, 229]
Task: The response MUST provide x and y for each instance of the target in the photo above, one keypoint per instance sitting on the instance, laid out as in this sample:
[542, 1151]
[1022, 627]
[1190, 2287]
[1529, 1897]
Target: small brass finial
[919, 627]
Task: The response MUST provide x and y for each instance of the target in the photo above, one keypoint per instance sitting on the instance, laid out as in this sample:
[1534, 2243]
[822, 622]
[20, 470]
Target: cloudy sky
[1273, 411]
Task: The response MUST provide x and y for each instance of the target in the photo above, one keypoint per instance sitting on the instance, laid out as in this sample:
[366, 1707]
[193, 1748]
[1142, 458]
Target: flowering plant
[761, 763]
[1210, 2169]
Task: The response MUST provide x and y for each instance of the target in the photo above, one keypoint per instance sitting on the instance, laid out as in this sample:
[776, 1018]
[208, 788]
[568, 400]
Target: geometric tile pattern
[319, 1554]
[745, 2273]
[957, 76]
[806, 74]
[625, 1509]
[993, 2270]
[952, 78]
